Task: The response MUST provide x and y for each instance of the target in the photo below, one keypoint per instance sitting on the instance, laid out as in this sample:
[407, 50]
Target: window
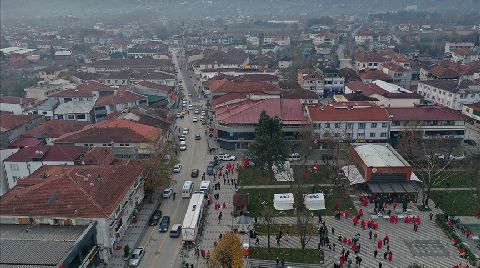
[384, 125]
[337, 135]
[372, 135]
[71, 117]
[80, 116]
[337, 125]
[327, 125]
[373, 125]
[14, 167]
[350, 125]
[361, 125]
[383, 134]
[361, 135]
[80, 99]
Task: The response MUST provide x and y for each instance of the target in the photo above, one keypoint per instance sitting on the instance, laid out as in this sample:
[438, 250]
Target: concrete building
[465, 55]
[349, 121]
[16, 105]
[451, 46]
[450, 93]
[14, 126]
[311, 80]
[472, 111]
[76, 196]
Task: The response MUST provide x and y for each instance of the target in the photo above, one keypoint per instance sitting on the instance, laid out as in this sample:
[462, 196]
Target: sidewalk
[213, 228]
[134, 234]
[286, 186]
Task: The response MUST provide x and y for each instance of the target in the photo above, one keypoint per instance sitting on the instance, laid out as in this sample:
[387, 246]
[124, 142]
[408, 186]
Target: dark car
[210, 170]
[195, 173]
[471, 142]
[164, 224]
[155, 218]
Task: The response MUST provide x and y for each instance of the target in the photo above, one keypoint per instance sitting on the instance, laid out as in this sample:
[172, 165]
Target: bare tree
[268, 216]
[304, 216]
[158, 168]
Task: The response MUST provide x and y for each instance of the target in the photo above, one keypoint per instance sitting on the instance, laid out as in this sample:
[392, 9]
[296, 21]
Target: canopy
[397, 187]
[283, 201]
[353, 175]
[314, 201]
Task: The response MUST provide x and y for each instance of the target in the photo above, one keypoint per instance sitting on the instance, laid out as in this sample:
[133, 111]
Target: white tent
[283, 201]
[314, 201]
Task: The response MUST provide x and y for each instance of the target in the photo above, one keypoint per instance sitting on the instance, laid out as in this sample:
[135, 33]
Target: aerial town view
[240, 134]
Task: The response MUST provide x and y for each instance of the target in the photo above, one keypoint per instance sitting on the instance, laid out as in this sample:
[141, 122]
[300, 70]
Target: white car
[177, 168]
[294, 157]
[167, 193]
[226, 157]
[185, 131]
[190, 94]
[183, 143]
[190, 107]
[204, 113]
[136, 256]
[196, 111]
[182, 138]
[195, 119]
[183, 147]
[457, 157]
[179, 115]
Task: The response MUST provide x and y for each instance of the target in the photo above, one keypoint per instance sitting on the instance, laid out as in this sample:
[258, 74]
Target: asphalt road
[160, 249]
[344, 63]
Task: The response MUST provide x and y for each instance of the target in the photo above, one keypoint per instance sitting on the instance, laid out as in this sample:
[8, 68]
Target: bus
[193, 221]
[187, 189]
[205, 187]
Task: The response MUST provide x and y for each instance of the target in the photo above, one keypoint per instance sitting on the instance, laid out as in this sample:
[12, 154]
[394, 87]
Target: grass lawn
[311, 256]
[457, 180]
[458, 203]
[261, 195]
[261, 229]
[253, 176]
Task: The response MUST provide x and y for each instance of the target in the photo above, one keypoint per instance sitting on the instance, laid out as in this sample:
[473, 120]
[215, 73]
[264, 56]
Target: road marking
[165, 235]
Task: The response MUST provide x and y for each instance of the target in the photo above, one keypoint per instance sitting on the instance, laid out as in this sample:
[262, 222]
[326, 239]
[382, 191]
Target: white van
[176, 230]
[205, 187]
[294, 157]
[187, 189]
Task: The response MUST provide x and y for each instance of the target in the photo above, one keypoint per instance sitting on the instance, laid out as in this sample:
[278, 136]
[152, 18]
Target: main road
[160, 249]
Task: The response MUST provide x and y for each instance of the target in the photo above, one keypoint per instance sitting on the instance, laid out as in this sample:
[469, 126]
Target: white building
[16, 105]
[4, 154]
[349, 121]
[450, 93]
[27, 160]
[451, 46]
[472, 111]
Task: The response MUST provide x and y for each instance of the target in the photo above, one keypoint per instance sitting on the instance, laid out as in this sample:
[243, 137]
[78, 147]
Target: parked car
[136, 256]
[167, 193]
[176, 230]
[225, 157]
[179, 115]
[294, 157]
[195, 119]
[457, 157]
[185, 131]
[195, 173]
[177, 168]
[182, 138]
[196, 111]
[190, 107]
[164, 224]
[197, 136]
[437, 156]
[183, 147]
[155, 218]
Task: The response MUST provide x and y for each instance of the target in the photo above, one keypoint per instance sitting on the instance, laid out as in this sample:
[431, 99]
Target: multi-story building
[106, 195]
[465, 55]
[428, 121]
[16, 105]
[369, 60]
[311, 80]
[349, 121]
[333, 82]
[450, 93]
[451, 46]
[281, 40]
[400, 75]
[472, 111]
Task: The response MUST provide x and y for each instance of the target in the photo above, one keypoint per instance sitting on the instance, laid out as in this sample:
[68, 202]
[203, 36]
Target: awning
[394, 187]
[353, 175]
[314, 201]
[283, 201]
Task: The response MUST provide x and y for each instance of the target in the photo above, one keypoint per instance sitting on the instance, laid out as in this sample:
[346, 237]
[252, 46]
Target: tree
[228, 253]
[158, 169]
[268, 216]
[269, 147]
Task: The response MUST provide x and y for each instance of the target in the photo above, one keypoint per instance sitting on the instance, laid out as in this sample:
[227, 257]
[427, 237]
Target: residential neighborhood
[240, 134]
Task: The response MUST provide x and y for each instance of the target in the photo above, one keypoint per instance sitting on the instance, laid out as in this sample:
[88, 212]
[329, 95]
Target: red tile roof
[425, 114]
[229, 97]
[444, 73]
[99, 156]
[301, 94]
[117, 130]
[26, 142]
[15, 100]
[119, 97]
[375, 75]
[290, 111]
[48, 153]
[369, 57]
[11, 121]
[371, 89]
[156, 86]
[83, 90]
[347, 111]
[230, 87]
[465, 52]
[56, 128]
[71, 191]
[394, 67]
